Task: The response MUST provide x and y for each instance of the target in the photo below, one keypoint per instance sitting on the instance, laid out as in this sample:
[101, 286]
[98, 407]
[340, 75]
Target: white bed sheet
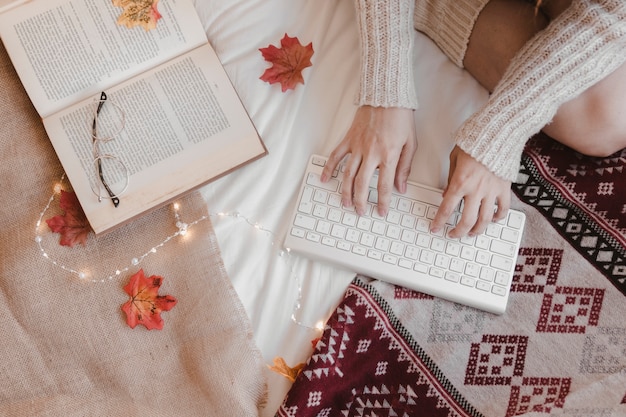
[310, 119]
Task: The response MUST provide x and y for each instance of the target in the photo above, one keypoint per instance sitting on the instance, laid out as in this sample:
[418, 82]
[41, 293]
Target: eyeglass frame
[98, 157]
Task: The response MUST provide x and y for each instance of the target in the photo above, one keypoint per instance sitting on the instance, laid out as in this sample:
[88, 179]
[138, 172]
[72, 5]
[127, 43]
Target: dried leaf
[72, 225]
[281, 367]
[288, 62]
[142, 13]
[145, 305]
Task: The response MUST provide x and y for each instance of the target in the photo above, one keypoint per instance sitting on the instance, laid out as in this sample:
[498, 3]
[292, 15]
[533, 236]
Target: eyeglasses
[111, 174]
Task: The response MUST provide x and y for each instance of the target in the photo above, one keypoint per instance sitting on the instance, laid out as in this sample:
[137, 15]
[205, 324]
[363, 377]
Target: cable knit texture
[449, 23]
[582, 46]
[386, 53]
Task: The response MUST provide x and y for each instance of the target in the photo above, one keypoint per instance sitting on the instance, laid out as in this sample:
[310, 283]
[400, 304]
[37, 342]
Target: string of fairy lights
[182, 230]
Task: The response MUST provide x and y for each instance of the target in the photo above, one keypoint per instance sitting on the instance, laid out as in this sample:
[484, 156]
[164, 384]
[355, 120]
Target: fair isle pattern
[583, 199]
[367, 364]
[369, 361]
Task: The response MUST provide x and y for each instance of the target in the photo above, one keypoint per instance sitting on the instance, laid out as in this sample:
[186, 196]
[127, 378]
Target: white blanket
[310, 119]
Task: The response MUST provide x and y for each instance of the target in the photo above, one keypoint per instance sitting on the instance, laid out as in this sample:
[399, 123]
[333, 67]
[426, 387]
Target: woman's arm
[382, 135]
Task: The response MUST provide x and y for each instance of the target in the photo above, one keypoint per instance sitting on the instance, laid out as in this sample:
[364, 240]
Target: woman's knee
[594, 123]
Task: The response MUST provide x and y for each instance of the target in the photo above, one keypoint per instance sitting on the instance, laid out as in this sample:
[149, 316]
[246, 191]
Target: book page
[67, 50]
[183, 126]
[9, 4]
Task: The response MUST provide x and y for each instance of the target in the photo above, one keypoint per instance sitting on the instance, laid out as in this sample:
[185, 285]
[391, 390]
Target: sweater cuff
[579, 48]
[386, 75]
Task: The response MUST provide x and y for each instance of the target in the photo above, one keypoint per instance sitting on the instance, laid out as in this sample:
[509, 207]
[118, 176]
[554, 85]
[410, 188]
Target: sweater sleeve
[585, 43]
[386, 35]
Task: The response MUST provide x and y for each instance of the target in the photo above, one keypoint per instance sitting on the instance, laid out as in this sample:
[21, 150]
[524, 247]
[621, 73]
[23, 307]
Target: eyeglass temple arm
[114, 198]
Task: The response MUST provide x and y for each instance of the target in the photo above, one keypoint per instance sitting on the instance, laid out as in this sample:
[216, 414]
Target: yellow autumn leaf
[142, 13]
[281, 367]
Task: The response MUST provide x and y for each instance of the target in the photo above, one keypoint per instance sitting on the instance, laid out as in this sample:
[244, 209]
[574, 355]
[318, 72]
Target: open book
[137, 117]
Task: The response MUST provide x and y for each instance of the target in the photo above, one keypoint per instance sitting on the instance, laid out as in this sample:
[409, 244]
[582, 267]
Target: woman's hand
[379, 137]
[486, 196]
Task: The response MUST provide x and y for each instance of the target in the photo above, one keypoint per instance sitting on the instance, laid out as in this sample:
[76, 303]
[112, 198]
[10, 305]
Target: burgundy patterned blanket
[559, 350]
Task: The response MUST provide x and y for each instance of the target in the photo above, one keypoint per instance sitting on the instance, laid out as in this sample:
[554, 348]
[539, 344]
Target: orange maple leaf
[138, 13]
[281, 367]
[288, 62]
[72, 225]
[145, 304]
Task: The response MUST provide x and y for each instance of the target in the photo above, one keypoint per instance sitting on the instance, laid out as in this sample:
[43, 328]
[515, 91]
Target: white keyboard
[399, 248]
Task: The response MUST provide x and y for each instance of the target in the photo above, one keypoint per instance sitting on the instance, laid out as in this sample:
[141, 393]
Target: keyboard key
[314, 180]
[422, 240]
[453, 277]
[408, 221]
[323, 227]
[352, 235]
[320, 196]
[436, 272]
[457, 265]
[338, 231]
[502, 263]
[320, 211]
[412, 253]
[419, 209]
[359, 250]
[334, 215]
[368, 240]
[334, 200]
[427, 257]
[390, 259]
[408, 236]
[516, 220]
[374, 254]
[349, 219]
[393, 217]
[364, 223]
[382, 244]
[404, 205]
[467, 281]
[343, 245]
[510, 235]
[397, 248]
[405, 264]
[393, 232]
[313, 237]
[304, 221]
[497, 290]
[328, 241]
[483, 286]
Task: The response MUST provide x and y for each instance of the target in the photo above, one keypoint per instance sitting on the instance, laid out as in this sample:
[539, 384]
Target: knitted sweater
[581, 46]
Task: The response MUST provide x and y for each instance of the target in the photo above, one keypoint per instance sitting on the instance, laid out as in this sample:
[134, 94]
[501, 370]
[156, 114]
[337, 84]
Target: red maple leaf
[145, 304]
[288, 62]
[72, 225]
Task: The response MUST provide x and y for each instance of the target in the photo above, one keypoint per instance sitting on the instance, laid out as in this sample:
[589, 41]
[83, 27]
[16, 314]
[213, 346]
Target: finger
[448, 205]
[403, 170]
[335, 157]
[504, 203]
[385, 187]
[485, 216]
[468, 218]
[351, 168]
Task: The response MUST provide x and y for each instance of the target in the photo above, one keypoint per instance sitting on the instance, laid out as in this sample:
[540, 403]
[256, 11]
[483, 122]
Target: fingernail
[323, 177]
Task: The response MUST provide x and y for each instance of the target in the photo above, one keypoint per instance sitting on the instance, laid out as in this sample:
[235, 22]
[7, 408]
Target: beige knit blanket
[65, 347]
